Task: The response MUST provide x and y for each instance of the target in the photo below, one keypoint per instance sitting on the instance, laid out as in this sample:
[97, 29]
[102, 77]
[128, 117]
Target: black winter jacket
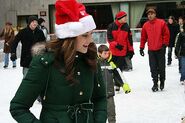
[174, 30]
[180, 46]
[28, 38]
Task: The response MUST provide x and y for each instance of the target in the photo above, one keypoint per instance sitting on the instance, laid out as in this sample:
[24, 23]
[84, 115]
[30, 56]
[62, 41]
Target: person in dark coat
[8, 35]
[174, 30]
[65, 73]
[28, 37]
[110, 73]
[156, 33]
[180, 52]
[41, 25]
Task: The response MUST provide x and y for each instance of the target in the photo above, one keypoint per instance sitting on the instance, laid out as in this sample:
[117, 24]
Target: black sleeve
[16, 41]
[109, 33]
[177, 47]
[117, 77]
[130, 37]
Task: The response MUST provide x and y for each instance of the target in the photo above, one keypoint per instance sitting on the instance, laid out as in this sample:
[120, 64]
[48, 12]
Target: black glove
[164, 46]
[130, 54]
[119, 47]
[141, 52]
[13, 57]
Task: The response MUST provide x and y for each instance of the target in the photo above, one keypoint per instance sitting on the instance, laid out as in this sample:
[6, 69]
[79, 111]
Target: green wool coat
[84, 102]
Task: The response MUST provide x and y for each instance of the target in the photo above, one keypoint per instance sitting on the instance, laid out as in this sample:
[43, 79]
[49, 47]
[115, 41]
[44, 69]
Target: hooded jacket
[84, 102]
[118, 33]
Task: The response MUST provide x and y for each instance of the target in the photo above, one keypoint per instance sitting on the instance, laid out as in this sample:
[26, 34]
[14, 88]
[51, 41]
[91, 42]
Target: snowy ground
[140, 106]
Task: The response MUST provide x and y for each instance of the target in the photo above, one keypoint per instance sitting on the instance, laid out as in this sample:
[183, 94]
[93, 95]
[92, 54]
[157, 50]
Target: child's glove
[126, 88]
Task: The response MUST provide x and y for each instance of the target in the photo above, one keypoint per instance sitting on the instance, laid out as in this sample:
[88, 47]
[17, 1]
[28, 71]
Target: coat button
[78, 73]
[46, 62]
[42, 58]
[98, 85]
[81, 93]
[76, 56]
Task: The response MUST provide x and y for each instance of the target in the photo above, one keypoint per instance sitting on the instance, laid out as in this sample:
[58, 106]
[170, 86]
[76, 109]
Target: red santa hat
[120, 15]
[72, 19]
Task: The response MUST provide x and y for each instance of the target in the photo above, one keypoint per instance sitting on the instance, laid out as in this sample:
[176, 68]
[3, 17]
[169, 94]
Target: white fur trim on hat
[73, 29]
[88, 23]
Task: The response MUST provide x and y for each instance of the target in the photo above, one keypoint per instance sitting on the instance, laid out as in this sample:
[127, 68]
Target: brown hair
[102, 48]
[64, 50]
[8, 30]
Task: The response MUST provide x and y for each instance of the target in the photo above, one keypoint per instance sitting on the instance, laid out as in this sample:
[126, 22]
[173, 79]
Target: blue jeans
[6, 60]
[182, 68]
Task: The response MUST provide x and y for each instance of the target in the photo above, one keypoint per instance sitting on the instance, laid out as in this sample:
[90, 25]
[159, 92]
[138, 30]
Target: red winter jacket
[118, 33]
[156, 33]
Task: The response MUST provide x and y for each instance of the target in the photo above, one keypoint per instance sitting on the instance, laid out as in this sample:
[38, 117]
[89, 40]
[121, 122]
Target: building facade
[103, 11]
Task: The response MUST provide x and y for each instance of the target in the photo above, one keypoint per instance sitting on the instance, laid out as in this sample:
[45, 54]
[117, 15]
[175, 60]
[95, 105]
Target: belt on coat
[74, 110]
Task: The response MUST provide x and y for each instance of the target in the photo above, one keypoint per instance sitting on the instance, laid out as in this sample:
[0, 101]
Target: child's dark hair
[102, 48]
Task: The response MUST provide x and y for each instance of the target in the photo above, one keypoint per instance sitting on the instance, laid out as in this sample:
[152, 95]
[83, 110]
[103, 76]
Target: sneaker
[5, 66]
[117, 88]
[14, 66]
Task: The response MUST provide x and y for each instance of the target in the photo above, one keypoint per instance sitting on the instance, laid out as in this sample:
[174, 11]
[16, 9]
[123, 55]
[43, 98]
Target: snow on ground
[140, 106]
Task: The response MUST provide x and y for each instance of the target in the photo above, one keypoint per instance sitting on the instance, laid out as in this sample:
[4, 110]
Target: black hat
[40, 20]
[31, 18]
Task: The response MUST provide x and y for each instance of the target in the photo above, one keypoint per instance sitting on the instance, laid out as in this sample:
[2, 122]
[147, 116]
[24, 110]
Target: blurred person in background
[174, 30]
[28, 37]
[8, 35]
[180, 52]
[41, 25]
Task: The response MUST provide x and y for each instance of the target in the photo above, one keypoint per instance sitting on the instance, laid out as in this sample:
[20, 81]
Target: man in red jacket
[155, 32]
[120, 40]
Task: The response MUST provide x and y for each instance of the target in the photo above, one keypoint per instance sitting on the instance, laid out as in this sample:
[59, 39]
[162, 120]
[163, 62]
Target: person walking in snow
[180, 52]
[174, 30]
[155, 31]
[65, 73]
[8, 35]
[110, 73]
[28, 37]
[41, 25]
[120, 41]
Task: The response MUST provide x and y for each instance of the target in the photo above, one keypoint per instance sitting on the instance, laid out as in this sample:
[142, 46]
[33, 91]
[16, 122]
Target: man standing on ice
[156, 33]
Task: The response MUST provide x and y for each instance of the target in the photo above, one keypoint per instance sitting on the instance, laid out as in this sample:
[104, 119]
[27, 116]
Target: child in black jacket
[110, 72]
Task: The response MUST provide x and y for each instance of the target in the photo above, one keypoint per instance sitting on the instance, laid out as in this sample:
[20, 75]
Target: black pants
[157, 64]
[119, 62]
[170, 49]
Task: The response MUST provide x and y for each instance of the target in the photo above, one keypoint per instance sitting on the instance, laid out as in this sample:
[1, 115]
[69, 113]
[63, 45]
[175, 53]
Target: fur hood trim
[38, 48]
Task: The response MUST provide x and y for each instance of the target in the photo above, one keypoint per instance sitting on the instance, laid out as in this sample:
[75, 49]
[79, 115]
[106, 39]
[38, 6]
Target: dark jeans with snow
[182, 68]
[119, 62]
[170, 49]
[157, 64]
[111, 110]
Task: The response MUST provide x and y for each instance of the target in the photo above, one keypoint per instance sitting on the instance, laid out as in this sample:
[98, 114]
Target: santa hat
[120, 15]
[72, 19]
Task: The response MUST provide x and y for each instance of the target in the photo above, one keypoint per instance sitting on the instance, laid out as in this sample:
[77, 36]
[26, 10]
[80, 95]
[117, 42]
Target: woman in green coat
[65, 73]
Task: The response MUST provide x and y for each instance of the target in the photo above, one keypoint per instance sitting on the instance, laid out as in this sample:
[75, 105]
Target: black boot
[155, 88]
[162, 85]
[169, 63]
